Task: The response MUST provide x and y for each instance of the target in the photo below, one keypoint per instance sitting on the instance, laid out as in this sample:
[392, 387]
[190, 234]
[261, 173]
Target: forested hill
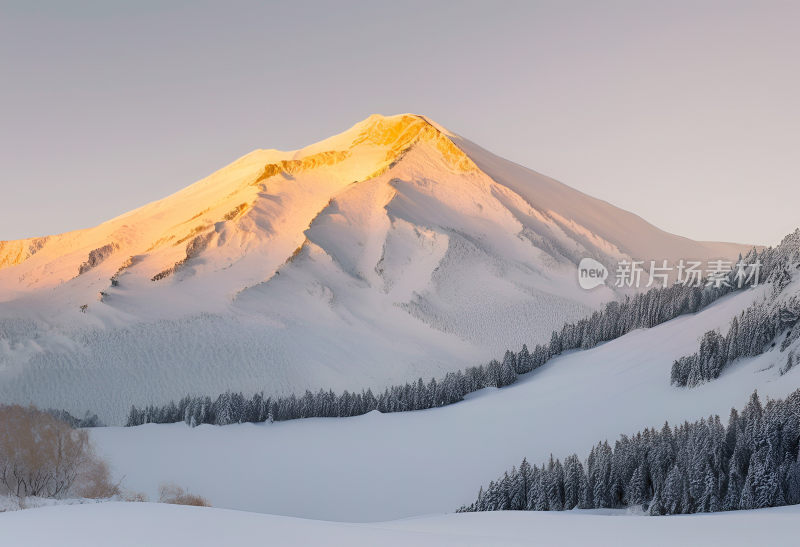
[644, 310]
[769, 324]
[703, 466]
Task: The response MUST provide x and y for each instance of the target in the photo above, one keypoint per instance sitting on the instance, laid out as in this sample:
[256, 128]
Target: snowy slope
[391, 251]
[121, 524]
[378, 467]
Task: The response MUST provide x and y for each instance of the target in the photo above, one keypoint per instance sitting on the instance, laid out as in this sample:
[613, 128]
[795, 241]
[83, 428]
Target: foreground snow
[155, 525]
[13, 503]
[379, 467]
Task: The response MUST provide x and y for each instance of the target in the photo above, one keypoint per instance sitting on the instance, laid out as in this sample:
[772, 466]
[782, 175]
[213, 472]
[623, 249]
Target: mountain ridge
[394, 250]
[406, 133]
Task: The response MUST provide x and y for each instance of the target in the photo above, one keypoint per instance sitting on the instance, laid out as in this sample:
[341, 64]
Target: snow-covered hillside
[391, 251]
[384, 466]
[157, 525]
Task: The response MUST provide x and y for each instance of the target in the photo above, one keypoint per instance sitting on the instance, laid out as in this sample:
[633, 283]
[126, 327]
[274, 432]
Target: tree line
[644, 310]
[695, 467]
[755, 330]
[751, 333]
[88, 420]
[233, 407]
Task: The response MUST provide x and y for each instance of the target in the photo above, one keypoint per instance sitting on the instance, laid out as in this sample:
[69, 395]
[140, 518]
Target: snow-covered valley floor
[380, 467]
[159, 525]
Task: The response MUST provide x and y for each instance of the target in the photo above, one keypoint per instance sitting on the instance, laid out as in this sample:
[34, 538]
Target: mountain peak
[399, 133]
[396, 237]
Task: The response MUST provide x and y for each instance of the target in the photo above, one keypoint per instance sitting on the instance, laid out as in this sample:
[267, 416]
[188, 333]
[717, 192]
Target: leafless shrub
[172, 493]
[134, 496]
[95, 481]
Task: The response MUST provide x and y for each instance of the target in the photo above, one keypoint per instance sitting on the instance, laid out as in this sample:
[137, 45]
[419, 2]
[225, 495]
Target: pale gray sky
[686, 113]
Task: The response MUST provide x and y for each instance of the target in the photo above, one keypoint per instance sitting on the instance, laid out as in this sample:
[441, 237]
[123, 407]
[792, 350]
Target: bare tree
[41, 455]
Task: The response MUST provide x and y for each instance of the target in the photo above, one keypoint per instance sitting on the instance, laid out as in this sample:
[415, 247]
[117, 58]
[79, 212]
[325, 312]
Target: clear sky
[686, 113]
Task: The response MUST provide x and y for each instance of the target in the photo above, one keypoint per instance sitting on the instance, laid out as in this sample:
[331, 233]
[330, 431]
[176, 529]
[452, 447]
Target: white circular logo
[591, 273]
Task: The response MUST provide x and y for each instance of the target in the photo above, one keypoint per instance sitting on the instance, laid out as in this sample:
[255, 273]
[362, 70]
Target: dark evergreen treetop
[702, 466]
[757, 328]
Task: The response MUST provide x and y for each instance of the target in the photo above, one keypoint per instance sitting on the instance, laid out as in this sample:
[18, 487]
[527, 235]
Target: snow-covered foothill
[386, 466]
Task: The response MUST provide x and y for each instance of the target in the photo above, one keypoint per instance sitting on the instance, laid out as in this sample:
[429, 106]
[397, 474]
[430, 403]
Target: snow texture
[157, 525]
[387, 466]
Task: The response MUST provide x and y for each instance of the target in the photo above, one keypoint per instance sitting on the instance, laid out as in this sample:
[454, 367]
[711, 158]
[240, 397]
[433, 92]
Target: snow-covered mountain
[394, 250]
